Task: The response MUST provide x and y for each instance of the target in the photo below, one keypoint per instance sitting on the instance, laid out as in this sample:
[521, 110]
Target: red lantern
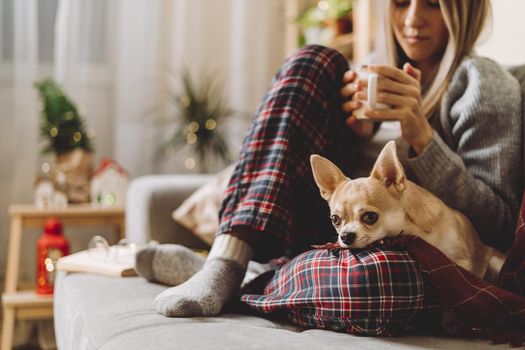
[51, 246]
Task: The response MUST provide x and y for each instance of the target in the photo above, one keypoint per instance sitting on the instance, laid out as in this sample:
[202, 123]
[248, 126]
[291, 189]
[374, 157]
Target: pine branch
[60, 123]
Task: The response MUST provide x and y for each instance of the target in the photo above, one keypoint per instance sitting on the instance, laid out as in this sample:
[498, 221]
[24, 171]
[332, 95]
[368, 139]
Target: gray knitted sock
[206, 292]
[169, 264]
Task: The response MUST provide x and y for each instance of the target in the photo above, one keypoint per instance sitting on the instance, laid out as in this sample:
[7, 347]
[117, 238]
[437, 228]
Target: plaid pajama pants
[272, 193]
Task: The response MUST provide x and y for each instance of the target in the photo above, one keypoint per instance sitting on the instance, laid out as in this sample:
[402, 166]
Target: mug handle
[372, 90]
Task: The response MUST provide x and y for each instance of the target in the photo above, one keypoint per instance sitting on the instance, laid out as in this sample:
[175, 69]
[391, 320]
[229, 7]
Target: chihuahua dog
[386, 204]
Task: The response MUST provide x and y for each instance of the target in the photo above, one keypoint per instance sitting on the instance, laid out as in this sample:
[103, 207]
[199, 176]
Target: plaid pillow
[368, 292]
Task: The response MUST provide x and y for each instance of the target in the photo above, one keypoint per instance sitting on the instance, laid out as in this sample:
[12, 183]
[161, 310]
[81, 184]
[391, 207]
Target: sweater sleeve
[478, 170]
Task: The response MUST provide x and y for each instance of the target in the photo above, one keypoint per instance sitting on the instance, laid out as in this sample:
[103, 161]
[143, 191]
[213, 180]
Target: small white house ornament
[49, 192]
[109, 184]
[44, 193]
[60, 198]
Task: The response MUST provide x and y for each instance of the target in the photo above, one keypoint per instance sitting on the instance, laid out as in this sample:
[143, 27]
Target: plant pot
[77, 167]
[343, 25]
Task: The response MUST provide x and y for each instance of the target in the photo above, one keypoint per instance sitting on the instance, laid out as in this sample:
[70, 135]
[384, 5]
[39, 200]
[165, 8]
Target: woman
[458, 126]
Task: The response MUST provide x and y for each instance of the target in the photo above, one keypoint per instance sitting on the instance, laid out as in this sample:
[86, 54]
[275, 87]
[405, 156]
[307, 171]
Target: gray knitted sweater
[475, 163]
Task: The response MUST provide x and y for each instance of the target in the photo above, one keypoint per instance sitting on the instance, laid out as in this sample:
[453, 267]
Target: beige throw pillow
[199, 213]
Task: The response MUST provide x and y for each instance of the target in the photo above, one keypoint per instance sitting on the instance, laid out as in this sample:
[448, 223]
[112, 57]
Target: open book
[117, 262]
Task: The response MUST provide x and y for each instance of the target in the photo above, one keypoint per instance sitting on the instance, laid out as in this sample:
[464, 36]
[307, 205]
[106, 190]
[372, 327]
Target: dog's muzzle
[348, 237]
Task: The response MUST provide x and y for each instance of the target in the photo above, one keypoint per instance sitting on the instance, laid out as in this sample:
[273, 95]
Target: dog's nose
[348, 237]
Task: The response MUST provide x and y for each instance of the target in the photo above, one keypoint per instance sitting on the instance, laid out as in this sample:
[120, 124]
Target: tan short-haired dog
[386, 204]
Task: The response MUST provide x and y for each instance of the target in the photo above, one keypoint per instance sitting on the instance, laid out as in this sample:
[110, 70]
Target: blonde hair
[465, 20]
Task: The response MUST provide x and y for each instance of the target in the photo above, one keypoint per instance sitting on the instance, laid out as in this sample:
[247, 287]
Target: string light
[77, 136]
[109, 199]
[185, 101]
[210, 124]
[69, 115]
[191, 138]
[323, 5]
[53, 132]
[189, 163]
[49, 265]
[45, 167]
[193, 127]
[169, 152]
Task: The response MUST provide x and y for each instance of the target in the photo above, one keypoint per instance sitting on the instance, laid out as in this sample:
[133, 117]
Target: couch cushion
[98, 312]
[199, 213]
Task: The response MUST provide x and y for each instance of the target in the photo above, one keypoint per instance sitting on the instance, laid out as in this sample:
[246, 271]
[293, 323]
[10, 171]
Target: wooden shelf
[26, 299]
[355, 47]
[30, 210]
[27, 304]
[74, 214]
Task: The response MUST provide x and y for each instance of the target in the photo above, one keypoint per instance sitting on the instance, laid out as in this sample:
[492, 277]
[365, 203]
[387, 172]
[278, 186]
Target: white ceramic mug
[371, 103]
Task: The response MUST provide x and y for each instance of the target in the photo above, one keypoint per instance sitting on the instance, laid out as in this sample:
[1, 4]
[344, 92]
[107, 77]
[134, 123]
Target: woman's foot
[206, 293]
[169, 264]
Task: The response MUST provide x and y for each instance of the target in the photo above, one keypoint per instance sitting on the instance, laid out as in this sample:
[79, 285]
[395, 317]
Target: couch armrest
[150, 202]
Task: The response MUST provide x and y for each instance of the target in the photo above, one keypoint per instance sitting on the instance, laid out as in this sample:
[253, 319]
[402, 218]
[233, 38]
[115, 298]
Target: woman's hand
[401, 89]
[350, 86]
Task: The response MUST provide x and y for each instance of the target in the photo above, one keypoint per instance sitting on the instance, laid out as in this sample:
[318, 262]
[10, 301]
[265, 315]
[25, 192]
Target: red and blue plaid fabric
[473, 306]
[369, 292]
[272, 192]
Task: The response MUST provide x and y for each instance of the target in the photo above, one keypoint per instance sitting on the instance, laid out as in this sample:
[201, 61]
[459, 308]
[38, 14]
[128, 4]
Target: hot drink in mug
[371, 103]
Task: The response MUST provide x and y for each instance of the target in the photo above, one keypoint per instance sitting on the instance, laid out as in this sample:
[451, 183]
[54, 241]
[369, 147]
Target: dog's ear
[388, 168]
[326, 174]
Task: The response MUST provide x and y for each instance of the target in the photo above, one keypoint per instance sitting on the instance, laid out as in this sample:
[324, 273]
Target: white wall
[505, 43]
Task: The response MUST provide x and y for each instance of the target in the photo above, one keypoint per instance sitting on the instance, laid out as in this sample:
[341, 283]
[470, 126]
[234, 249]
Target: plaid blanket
[369, 292]
[379, 291]
[473, 306]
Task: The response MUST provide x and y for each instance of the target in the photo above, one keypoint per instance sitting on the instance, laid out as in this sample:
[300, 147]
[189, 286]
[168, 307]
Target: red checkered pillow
[369, 292]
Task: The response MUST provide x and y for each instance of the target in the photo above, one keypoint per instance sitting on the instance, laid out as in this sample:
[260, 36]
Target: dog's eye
[336, 220]
[370, 217]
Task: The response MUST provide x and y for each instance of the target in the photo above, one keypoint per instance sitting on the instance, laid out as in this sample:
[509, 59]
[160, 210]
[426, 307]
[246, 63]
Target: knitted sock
[206, 292]
[169, 264]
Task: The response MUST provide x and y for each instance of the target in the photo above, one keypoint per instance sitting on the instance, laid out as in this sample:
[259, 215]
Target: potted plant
[323, 21]
[64, 131]
[200, 114]
[339, 14]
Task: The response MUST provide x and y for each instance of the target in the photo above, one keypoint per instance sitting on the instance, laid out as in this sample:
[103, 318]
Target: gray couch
[96, 312]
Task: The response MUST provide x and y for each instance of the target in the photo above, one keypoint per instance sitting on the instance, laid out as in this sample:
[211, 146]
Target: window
[87, 33]
[46, 15]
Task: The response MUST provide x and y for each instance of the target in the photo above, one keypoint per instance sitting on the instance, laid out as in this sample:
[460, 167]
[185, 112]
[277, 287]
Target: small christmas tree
[61, 124]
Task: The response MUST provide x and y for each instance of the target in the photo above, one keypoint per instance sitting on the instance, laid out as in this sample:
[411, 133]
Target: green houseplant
[325, 19]
[65, 134]
[200, 112]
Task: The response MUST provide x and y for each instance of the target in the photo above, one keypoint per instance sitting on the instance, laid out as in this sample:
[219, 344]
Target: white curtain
[119, 61]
